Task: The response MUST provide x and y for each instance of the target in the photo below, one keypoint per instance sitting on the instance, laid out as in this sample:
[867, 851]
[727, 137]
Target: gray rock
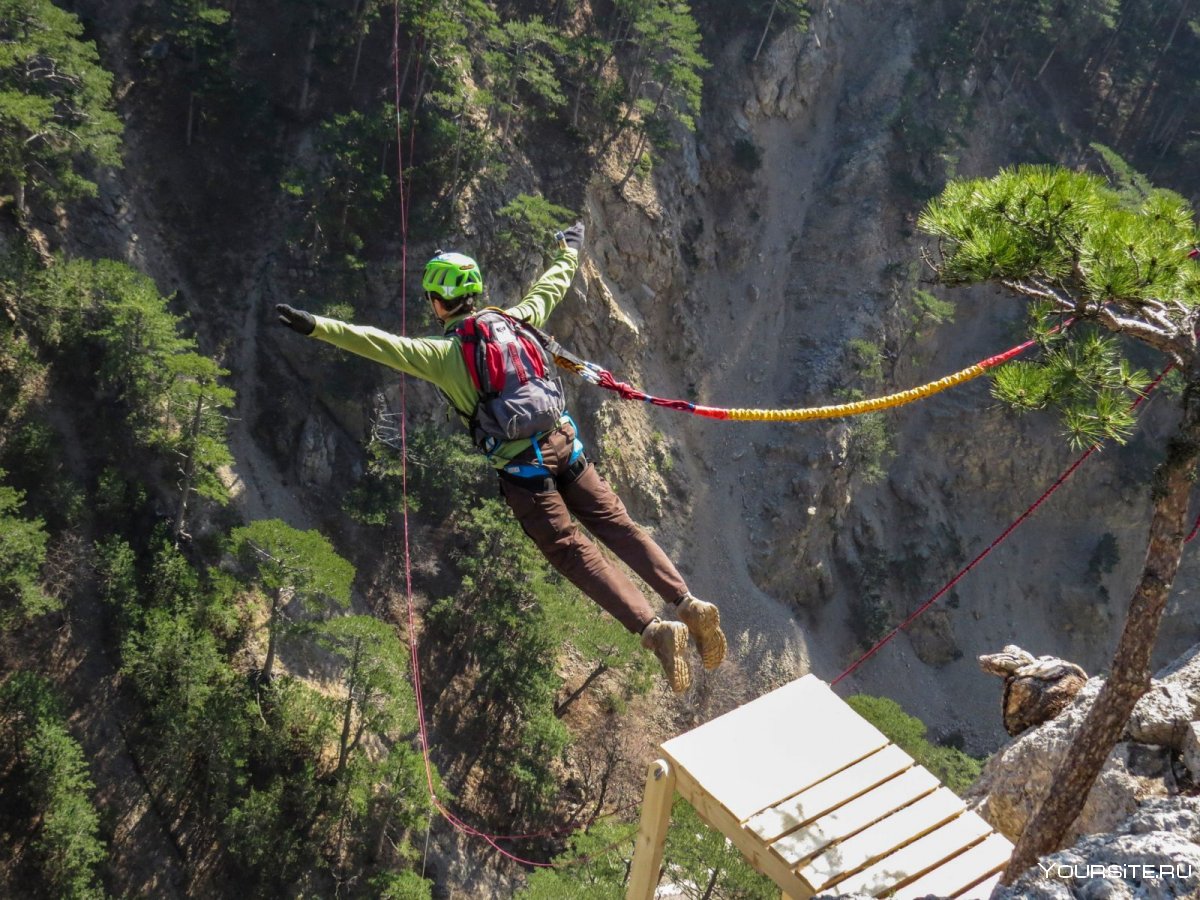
[1153, 855]
[1185, 672]
[1162, 715]
[317, 451]
[1020, 774]
[1191, 750]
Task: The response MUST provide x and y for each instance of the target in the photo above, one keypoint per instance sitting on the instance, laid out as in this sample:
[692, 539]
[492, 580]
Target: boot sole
[681, 673]
[710, 639]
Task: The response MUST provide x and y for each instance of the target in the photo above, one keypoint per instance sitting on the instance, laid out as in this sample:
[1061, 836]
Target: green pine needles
[1076, 248]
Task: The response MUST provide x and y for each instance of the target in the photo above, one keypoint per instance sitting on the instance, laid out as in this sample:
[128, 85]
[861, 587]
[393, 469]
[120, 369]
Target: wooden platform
[819, 801]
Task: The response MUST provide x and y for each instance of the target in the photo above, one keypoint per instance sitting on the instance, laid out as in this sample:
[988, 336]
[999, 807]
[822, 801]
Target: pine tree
[1073, 247]
[292, 566]
[55, 102]
[22, 554]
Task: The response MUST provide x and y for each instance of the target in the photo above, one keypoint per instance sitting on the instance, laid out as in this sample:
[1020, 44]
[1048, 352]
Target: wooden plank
[873, 843]
[756, 852]
[965, 869]
[981, 891]
[856, 815]
[918, 857]
[768, 749]
[652, 832]
[831, 793]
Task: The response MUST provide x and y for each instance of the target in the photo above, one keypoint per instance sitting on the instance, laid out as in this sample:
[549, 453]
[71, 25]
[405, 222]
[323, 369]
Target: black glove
[573, 237]
[296, 319]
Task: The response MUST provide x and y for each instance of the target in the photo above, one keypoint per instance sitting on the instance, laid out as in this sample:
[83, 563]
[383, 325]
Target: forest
[194, 701]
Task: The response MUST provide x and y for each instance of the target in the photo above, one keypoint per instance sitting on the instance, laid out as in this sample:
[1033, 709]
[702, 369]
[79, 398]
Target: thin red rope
[413, 645]
[998, 541]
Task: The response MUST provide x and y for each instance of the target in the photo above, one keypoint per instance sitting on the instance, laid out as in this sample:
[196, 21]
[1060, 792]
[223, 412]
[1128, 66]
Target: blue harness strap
[539, 471]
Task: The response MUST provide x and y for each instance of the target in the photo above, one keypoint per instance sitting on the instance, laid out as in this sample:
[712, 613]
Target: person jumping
[494, 370]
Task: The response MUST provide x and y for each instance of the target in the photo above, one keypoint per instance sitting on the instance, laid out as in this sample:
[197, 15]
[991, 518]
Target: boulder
[1020, 774]
[1035, 689]
[1162, 715]
[1190, 752]
[1153, 855]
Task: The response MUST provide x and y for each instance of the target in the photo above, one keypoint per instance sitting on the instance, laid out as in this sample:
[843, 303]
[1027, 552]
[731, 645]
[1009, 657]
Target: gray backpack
[511, 370]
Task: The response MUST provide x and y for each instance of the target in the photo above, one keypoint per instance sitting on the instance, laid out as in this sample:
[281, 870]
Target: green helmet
[452, 276]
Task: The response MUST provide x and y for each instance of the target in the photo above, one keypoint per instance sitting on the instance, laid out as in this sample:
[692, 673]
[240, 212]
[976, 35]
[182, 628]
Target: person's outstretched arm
[428, 358]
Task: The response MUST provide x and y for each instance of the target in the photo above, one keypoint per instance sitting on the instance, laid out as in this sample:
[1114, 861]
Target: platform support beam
[652, 833]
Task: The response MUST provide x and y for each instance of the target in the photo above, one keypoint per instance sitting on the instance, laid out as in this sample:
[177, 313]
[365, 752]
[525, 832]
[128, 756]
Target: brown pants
[546, 517]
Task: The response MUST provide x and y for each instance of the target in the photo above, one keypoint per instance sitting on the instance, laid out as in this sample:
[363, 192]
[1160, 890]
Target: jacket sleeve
[547, 292]
[427, 358]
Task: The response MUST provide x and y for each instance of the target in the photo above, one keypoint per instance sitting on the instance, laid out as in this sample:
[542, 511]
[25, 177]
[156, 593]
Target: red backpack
[511, 370]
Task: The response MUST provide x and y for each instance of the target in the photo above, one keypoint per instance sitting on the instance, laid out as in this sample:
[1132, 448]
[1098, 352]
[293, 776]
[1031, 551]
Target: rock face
[1019, 775]
[1153, 854]
[1134, 818]
[1035, 690]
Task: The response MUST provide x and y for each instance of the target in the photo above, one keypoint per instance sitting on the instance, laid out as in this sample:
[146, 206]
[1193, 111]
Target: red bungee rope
[1002, 537]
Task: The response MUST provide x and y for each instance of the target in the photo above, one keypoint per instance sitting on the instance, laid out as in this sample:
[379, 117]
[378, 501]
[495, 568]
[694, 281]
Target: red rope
[999, 540]
[413, 647]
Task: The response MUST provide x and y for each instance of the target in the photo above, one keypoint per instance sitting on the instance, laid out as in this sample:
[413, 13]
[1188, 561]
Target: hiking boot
[703, 620]
[669, 640]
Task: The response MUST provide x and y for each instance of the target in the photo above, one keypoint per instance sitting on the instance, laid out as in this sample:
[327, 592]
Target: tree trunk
[348, 714]
[766, 29]
[309, 54]
[189, 472]
[272, 634]
[362, 33]
[1130, 676]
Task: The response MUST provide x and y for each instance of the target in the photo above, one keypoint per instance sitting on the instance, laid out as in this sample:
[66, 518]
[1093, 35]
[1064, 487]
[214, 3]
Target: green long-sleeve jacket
[440, 359]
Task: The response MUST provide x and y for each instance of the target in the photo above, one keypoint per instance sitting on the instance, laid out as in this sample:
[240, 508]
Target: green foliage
[954, 768]
[866, 357]
[378, 698]
[498, 621]
[291, 565]
[706, 863]
[347, 191]
[55, 101]
[379, 497]
[519, 58]
[1068, 242]
[1087, 378]
[401, 886]
[282, 557]
[57, 785]
[529, 221]
[265, 836]
[22, 554]
[593, 867]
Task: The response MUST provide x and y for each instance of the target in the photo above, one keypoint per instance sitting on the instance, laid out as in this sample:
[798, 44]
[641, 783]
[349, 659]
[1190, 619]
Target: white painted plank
[776, 746]
[902, 827]
[965, 869]
[855, 815]
[831, 793]
[918, 857]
